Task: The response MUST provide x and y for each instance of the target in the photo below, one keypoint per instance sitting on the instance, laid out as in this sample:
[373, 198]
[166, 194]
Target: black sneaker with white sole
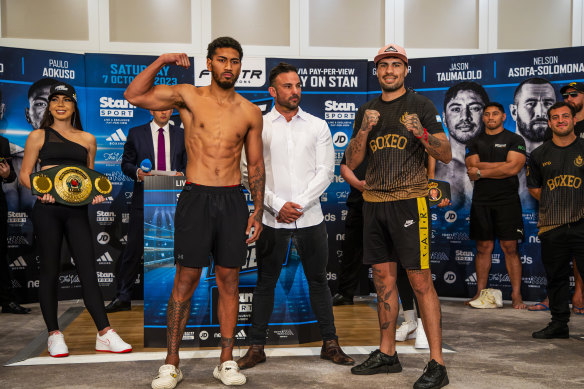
[378, 362]
[434, 377]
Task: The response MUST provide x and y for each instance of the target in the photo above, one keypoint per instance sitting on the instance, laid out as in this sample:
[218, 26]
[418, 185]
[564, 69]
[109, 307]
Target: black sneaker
[378, 362]
[339, 299]
[434, 377]
[553, 330]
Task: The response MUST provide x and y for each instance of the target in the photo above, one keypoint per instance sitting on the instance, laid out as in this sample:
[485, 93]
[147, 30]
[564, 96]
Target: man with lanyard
[395, 131]
[554, 177]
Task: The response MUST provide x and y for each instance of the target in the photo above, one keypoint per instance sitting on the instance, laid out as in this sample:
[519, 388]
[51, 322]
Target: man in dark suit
[163, 144]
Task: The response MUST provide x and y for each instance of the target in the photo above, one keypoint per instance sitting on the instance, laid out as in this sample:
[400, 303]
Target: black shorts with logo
[210, 221]
[397, 231]
[503, 222]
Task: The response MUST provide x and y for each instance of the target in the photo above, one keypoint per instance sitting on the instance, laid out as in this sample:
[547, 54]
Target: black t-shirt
[495, 148]
[396, 159]
[559, 172]
[355, 195]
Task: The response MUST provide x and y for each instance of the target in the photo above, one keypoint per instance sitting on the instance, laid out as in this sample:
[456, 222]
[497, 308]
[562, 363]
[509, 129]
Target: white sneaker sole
[129, 350]
[165, 385]
[239, 380]
[59, 355]
[168, 382]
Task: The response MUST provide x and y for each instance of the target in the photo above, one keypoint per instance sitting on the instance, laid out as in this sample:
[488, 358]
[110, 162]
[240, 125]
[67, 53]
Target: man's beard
[393, 88]
[287, 104]
[224, 84]
[577, 107]
[533, 132]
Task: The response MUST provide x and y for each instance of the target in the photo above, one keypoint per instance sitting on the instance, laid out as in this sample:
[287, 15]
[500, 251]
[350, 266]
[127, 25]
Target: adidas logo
[124, 239]
[472, 278]
[18, 263]
[117, 136]
[241, 335]
[105, 258]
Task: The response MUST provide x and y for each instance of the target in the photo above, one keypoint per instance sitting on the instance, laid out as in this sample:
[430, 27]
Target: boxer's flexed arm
[355, 151]
[142, 93]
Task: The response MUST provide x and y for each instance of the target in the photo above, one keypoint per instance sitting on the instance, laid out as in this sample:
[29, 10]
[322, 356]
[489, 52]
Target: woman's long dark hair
[48, 119]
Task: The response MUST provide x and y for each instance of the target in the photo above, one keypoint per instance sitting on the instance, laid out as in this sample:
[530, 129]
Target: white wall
[292, 28]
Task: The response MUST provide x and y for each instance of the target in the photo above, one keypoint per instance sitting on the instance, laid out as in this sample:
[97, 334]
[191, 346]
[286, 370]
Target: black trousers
[51, 223]
[558, 247]
[352, 261]
[132, 255]
[271, 249]
[6, 293]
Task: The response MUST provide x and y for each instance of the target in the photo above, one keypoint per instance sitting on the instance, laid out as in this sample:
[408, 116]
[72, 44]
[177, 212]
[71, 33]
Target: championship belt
[70, 185]
[438, 190]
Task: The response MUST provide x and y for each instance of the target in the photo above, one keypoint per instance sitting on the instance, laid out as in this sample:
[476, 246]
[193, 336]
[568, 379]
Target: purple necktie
[161, 163]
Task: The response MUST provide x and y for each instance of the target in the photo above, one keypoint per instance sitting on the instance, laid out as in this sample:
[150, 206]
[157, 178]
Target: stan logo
[579, 161]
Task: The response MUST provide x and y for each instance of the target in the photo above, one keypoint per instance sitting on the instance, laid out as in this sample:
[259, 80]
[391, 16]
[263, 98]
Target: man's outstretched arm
[142, 93]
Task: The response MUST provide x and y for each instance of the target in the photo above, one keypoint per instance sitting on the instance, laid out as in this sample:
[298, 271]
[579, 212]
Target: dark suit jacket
[5, 153]
[139, 146]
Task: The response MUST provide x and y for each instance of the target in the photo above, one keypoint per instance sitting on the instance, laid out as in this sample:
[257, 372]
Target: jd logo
[450, 216]
[450, 277]
[103, 238]
[340, 139]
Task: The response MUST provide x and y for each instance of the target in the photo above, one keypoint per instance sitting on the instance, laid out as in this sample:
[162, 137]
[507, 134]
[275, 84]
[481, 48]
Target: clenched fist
[369, 120]
[179, 59]
[412, 123]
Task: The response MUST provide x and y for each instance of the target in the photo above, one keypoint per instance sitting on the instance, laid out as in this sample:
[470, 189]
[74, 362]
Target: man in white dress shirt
[299, 160]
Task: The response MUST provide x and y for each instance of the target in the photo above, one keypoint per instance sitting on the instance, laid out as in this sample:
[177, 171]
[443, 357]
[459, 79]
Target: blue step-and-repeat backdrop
[526, 83]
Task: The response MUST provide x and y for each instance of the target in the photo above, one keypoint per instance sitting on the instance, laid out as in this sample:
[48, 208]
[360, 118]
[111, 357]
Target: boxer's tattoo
[356, 147]
[413, 124]
[382, 293]
[227, 342]
[257, 184]
[177, 314]
[437, 148]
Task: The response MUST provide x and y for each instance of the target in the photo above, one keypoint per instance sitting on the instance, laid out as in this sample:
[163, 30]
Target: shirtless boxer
[211, 215]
